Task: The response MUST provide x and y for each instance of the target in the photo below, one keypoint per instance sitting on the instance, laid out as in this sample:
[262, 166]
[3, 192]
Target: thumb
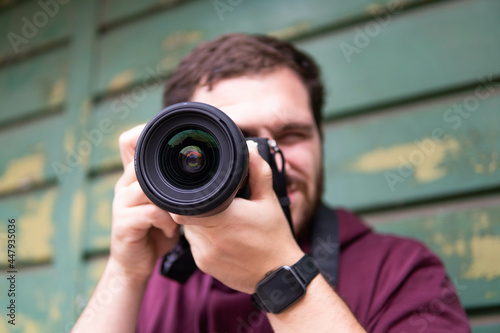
[260, 177]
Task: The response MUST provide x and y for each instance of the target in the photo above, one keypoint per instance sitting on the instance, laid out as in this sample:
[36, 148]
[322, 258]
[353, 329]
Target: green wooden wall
[412, 139]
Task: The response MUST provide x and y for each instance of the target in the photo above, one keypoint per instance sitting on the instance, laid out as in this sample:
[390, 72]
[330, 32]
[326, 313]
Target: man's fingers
[128, 176]
[139, 219]
[133, 195]
[260, 177]
[127, 143]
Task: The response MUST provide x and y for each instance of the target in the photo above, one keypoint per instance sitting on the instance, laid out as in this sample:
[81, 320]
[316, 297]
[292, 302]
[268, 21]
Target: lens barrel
[191, 159]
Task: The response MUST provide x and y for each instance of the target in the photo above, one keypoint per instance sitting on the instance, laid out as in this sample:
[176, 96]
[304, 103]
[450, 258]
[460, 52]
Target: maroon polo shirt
[391, 284]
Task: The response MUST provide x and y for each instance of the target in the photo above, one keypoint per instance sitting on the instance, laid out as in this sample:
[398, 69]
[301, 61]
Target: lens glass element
[189, 158]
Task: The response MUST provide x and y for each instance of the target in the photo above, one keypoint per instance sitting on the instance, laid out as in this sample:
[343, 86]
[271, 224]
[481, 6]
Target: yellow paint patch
[103, 214]
[3, 325]
[292, 31]
[484, 249]
[36, 227]
[489, 165]
[77, 216]
[485, 262]
[58, 92]
[122, 80]
[69, 139]
[97, 269]
[56, 302]
[181, 38]
[490, 294]
[101, 242]
[26, 324]
[454, 248]
[23, 171]
[426, 162]
[168, 63]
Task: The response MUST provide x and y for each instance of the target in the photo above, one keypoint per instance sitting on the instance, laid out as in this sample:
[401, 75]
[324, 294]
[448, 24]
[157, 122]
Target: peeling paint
[23, 171]
[168, 63]
[490, 294]
[427, 168]
[97, 268]
[77, 216]
[122, 80]
[26, 324]
[56, 303]
[36, 227]
[454, 248]
[3, 324]
[484, 249]
[292, 30]
[103, 214]
[101, 242]
[69, 139]
[181, 39]
[490, 165]
[58, 92]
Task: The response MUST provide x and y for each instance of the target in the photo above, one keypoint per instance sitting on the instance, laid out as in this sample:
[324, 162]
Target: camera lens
[189, 158]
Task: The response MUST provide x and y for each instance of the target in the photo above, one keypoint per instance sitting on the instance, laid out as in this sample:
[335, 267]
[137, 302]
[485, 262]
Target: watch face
[280, 290]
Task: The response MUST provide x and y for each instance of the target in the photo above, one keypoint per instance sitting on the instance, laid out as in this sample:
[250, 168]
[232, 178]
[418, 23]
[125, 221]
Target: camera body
[192, 159]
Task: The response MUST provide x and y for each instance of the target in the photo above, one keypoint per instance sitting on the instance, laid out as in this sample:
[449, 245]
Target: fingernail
[252, 144]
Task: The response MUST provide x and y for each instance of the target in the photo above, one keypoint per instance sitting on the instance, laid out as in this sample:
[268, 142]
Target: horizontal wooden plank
[122, 113]
[426, 150]
[32, 215]
[435, 47]
[39, 302]
[28, 152]
[171, 34]
[32, 24]
[491, 328]
[115, 10]
[467, 240]
[101, 193]
[34, 86]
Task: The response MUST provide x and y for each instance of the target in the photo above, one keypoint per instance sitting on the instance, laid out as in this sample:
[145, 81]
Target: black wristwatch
[284, 286]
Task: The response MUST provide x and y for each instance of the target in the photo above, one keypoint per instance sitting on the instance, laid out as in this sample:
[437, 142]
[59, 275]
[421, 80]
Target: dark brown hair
[234, 55]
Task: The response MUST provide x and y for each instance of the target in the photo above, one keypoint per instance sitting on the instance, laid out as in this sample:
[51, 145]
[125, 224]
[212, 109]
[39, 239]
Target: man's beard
[307, 213]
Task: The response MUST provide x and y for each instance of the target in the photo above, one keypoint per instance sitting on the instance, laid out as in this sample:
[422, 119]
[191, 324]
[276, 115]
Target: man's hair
[234, 55]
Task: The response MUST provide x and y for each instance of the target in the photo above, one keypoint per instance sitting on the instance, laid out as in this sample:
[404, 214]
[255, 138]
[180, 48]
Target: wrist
[124, 276]
[284, 287]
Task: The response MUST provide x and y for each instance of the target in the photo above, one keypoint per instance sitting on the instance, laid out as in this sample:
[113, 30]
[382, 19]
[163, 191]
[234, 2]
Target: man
[270, 89]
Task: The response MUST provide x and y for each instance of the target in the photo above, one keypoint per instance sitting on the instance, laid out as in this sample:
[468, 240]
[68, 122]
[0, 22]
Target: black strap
[306, 269]
[325, 242]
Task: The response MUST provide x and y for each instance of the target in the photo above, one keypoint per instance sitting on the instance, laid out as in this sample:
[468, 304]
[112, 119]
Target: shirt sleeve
[414, 294]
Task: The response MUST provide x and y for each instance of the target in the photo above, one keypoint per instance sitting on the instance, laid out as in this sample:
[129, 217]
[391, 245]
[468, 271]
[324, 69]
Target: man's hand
[248, 239]
[141, 232]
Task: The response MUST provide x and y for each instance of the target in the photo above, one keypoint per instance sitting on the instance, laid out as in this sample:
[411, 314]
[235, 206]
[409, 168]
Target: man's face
[276, 105]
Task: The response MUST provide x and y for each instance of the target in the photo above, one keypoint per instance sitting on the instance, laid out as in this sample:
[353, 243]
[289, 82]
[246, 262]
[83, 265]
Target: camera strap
[325, 244]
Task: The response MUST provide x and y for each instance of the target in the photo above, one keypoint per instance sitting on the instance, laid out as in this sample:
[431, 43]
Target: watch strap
[305, 269]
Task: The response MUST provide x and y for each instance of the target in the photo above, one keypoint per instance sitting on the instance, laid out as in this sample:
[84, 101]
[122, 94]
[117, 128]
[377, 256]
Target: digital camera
[192, 159]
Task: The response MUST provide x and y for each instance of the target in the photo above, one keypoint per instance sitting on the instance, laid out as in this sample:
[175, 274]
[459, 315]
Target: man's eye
[291, 137]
